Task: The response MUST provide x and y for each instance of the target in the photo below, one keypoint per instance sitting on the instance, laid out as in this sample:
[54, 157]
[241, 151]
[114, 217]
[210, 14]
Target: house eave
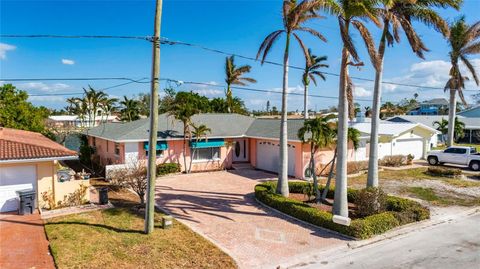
[63, 158]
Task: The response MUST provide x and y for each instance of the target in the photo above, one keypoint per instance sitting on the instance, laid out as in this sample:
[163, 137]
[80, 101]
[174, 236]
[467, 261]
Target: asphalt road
[455, 244]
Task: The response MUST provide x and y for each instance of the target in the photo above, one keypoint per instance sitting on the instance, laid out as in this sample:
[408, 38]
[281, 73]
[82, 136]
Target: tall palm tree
[184, 111]
[199, 132]
[398, 14]
[312, 65]
[350, 13]
[109, 106]
[130, 109]
[442, 126]
[295, 15]
[318, 133]
[464, 41]
[234, 76]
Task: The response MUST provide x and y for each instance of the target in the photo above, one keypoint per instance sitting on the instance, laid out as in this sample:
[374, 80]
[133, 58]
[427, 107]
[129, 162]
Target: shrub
[400, 211]
[167, 168]
[371, 201]
[442, 171]
[355, 167]
[394, 160]
[308, 190]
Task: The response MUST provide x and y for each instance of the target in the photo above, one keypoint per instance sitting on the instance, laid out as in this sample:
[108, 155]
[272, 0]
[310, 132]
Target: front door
[240, 150]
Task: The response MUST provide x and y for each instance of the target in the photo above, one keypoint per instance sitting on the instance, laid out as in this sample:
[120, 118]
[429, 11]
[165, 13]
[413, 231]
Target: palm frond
[267, 44]
[369, 43]
[473, 48]
[312, 32]
[470, 68]
[347, 40]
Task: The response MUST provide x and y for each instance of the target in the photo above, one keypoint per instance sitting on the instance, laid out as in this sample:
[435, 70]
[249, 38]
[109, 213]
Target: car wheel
[475, 166]
[432, 160]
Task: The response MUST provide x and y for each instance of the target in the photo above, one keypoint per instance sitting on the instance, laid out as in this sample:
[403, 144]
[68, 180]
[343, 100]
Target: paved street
[455, 244]
[221, 206]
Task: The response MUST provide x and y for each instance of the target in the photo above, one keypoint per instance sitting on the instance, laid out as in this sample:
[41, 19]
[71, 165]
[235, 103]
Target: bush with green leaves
[399, 211]
[442, 171]
[167, 168]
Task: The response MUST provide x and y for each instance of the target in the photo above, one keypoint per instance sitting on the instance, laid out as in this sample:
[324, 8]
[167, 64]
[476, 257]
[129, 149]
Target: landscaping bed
[113, 238]
[399, 211]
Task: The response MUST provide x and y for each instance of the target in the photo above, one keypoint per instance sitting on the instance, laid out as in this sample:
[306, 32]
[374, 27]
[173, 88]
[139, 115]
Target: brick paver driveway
[23, 243]
[221, 206]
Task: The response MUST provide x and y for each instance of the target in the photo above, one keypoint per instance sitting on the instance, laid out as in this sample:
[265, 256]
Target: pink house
[234, 138]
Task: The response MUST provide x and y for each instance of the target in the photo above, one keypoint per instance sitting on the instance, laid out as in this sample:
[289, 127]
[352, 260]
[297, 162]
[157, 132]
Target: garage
[12, 179]
[268, 156]
[412, 146]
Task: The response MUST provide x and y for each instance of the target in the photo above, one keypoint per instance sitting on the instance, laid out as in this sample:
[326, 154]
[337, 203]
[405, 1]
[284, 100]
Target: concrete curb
[306, 223]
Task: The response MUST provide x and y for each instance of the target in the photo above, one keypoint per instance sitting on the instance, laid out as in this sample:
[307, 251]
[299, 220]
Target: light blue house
[473, 112]
[437, 106]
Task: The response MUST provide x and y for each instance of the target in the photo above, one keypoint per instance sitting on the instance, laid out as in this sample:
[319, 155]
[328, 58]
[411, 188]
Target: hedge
[442, 171]
[400, 211]
[167, 168]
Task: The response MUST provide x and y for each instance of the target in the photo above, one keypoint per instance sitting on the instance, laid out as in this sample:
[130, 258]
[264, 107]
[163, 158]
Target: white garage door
[268, 156]
[13, 179]
[409, 146]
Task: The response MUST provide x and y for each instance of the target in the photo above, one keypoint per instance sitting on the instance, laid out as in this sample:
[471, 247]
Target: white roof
[428, 120]
[63, 118]
[389, 128]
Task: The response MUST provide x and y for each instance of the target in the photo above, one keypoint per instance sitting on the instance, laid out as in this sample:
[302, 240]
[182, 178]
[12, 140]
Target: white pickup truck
[456, 155]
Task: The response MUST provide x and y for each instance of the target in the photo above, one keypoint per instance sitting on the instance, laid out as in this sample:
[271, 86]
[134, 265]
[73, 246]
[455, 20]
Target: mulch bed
[352, 208]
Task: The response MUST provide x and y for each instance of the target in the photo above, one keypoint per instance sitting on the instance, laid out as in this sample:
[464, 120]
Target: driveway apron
[221, 206]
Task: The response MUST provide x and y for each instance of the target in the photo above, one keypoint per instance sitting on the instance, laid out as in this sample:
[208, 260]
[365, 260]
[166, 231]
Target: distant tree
[234, 76]
[268, 106]
[16, 112]
[130, 109]
[274, 110]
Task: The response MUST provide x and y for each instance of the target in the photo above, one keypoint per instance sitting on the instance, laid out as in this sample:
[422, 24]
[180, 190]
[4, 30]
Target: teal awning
[210, 143]
[161, 145]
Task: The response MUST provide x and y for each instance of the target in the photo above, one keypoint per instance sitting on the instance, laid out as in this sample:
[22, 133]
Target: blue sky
[232, 26]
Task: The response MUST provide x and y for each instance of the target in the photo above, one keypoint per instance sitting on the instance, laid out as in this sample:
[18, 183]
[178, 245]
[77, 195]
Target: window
[449, 150]
[202, 154]
[473, 151]
[159, 153]
[461, 151]
[117, 149]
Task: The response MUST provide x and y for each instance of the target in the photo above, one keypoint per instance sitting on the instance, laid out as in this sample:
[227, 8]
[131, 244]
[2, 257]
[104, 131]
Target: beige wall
[46, 172]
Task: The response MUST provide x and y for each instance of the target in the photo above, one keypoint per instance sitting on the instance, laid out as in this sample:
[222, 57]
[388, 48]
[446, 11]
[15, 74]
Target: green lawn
[113, 238]
[440, 199]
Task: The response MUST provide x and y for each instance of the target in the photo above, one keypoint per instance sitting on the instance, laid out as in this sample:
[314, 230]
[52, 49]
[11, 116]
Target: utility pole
[152, 139]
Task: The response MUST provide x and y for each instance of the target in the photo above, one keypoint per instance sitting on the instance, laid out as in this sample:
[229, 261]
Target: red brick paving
[222, 207]
[23, 243]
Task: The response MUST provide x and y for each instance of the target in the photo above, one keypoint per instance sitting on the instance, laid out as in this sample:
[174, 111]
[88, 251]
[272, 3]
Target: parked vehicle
[457, 155]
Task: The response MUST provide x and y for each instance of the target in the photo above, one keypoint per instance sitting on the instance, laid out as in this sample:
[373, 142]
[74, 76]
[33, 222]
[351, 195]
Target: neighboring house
[472, 125]
[473, 112]
[236, 138]
[431, 107]
[73, 121]
[29, 160]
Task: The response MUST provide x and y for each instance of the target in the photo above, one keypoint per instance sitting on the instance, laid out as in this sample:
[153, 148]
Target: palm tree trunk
[314, 174]
[329, 179]
[229, 99]
[282, 186]
[372, 179]
[452, 110]
[340, 204]
[305, 103]
[185, 153]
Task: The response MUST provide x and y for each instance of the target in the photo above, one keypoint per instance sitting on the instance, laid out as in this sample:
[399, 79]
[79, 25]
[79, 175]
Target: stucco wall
[105, 151]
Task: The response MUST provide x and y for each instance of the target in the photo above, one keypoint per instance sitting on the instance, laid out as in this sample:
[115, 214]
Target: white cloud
[361, 92]
[68, 62]
[4, 48]
[40, 86]
[208, 92]
[49, 99]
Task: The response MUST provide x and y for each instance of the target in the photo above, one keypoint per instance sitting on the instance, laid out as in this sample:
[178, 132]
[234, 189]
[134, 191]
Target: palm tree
[397, 14]
[108, 107]
[184, 111]
[349, 13]
[295, 15]
[233, 76]
[199, 132]
[353, 136]
[318, 133]
[93, 100]
[463, 41]
[442, 126]
[130, 109]
[312, 65]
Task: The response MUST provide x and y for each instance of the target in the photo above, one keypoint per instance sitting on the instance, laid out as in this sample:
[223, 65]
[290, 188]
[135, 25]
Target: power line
[167, 41]
[74, 79]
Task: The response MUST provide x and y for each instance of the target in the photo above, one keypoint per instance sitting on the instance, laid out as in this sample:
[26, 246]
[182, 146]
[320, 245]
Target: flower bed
[399, 211]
